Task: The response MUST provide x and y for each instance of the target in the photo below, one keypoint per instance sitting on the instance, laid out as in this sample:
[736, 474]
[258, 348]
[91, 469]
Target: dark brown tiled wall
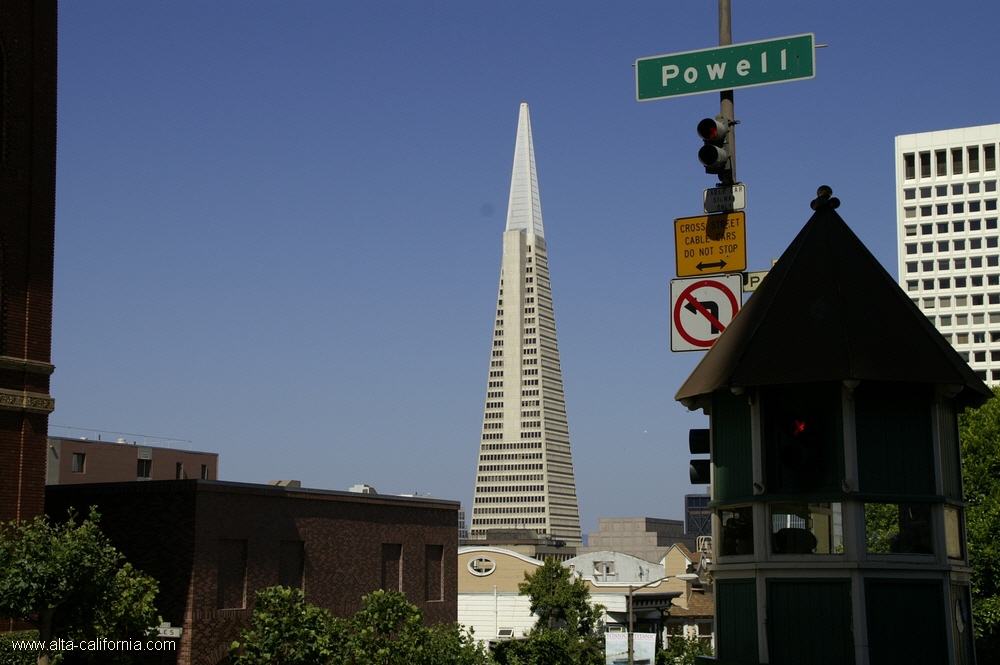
[174, 530]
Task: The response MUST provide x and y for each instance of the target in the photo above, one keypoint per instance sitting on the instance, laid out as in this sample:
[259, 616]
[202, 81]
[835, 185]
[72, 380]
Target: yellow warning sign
[711, 244]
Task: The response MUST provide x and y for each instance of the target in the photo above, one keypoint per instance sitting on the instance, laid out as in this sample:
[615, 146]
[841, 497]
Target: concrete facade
[490, 604]
[648, 538]
[75, 461]
[211, 545]
[947, 231]
[524, 478]
[27, 224]
[488, 599]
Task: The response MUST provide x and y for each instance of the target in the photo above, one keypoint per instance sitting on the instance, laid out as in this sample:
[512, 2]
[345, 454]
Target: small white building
[490, 604]
[488, 598]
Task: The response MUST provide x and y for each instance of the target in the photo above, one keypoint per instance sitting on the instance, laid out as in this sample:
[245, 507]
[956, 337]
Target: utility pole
[631, 598]
[726, 106]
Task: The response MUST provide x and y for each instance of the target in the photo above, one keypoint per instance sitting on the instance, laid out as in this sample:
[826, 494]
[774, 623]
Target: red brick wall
[172, 530]
[27, 222]
[22, 464]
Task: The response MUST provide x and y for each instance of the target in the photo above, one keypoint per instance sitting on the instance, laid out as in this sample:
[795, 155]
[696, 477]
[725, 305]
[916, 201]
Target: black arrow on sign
[719, 264]
[713, 309]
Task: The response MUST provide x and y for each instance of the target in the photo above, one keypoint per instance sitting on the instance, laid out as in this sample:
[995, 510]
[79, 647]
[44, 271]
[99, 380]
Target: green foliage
[11, 656]
[567, 627]
[979, 432]
[387, 630]
[287, 631]
[559, 599]
[451, 644]
[68, 581]
[544, 647]
[681, 650]
[881, 526]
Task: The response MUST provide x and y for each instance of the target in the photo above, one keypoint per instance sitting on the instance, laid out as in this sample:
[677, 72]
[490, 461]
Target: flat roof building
[648, 538]
[212, 545]
[75, 461]
[949, 240]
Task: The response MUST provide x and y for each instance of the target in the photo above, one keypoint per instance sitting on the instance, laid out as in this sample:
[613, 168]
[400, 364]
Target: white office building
[949, 241]
[524, 477]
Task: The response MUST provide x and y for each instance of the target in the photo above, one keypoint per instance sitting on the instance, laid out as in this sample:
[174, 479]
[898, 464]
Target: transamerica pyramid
[525, 471]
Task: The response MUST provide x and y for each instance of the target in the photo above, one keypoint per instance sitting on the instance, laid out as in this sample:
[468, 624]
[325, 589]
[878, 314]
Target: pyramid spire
[524, 478]
[524, 210]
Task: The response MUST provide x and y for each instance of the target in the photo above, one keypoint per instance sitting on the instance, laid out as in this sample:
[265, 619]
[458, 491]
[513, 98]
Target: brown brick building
[27, 223]
[75, 461]
[211, 545]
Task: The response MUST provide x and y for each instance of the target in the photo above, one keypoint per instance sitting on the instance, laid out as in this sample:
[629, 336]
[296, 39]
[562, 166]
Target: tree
[979, 433]
[387, 630]
[567, 627]
[285, 630]
[544, 646]
[881, 524]
[451, 644]
[682, 649]
[559, 599]
[68, 581]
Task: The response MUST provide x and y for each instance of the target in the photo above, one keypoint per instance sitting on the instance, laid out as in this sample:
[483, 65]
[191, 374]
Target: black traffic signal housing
[699, 443]
[802, 438]
[716, 155]
[799, 450]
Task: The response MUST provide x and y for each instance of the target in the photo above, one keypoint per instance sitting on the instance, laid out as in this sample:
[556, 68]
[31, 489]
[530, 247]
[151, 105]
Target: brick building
[211, 545]
[27, 223]
[75, 461]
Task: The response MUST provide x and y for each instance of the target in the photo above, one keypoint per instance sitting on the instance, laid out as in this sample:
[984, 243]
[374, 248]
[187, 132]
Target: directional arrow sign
[726, 67]
[701, 310]
[711, 244]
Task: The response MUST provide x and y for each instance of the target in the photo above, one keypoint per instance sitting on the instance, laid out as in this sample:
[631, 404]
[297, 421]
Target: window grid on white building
[949, 237]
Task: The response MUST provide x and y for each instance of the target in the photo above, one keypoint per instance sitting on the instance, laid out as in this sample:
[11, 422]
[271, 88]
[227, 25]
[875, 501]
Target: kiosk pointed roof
[828, 311]
[524, 209]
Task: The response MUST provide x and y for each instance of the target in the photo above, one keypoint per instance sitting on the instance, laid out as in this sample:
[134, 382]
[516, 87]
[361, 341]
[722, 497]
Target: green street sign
[726, 67]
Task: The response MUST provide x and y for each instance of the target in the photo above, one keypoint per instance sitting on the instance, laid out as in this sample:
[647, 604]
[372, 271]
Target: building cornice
[14, 400]
[25, 365]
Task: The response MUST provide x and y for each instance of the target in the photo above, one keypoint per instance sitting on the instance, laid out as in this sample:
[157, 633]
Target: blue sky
[278, 227]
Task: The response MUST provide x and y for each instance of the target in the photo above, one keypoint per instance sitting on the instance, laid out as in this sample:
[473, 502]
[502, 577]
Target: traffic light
[716, 154]
[798, 449]
[802, 438]
[699, 443]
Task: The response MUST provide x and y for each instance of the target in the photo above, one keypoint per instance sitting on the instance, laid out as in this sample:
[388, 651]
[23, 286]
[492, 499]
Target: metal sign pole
[726, 96]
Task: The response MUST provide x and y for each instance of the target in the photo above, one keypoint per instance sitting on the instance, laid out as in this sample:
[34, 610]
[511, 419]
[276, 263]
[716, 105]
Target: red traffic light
[712, 130]
[795, 427]
[715, 155]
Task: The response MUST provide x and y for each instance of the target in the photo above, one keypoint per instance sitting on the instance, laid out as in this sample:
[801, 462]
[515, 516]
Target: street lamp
[631, 612]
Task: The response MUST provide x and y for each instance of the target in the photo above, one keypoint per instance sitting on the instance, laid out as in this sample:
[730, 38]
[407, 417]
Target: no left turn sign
[701, 308]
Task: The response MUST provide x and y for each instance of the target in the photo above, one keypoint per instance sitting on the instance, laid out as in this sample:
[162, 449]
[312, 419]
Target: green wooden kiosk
[838, 511]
